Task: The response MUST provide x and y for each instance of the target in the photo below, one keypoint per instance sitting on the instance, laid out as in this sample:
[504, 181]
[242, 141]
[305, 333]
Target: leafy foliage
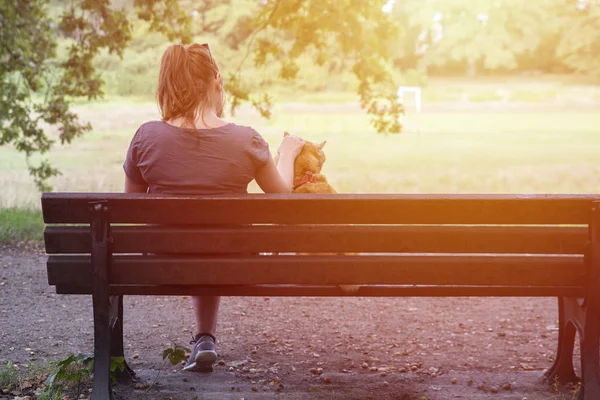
[36, 86]
[580, 44]
[499, 35]
[283, 31]
[72, 370]
[15, 378]
[117, 364]
[208, 16]
[492, 32]
[28, 48]
[167, 17]
[175, 354]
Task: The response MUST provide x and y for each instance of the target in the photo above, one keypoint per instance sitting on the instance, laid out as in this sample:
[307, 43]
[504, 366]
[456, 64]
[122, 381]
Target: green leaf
[62, 373]
[88, 365]
[50, 382]
[117, 363]
[166, 353]
[66, 362]
[175, 354]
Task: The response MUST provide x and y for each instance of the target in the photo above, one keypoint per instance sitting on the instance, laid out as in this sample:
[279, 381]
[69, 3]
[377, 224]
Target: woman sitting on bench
[193, 151]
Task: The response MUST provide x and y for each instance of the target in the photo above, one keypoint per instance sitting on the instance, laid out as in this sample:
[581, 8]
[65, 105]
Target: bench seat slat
[326, 239]
[321, 209]
[332, 291]
[326, 270]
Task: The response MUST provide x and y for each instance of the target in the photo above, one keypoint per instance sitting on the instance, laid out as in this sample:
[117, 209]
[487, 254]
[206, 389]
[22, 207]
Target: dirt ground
[367, 348]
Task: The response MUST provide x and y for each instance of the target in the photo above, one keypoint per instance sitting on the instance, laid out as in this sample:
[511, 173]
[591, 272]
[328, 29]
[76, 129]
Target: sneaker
[203, 354]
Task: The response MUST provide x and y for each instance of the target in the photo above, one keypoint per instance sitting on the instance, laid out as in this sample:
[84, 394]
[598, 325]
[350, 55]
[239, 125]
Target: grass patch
[9, 376]
[29, 379]
[20, 225]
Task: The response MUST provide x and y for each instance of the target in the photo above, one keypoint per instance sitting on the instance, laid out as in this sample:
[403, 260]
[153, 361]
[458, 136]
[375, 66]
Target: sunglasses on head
[205, 45]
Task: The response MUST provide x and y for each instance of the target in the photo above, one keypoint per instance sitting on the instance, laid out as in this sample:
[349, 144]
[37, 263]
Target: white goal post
[410, 89]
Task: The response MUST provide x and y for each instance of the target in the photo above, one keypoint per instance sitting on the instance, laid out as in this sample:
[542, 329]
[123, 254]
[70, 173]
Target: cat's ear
[322, 144]
[285, 134]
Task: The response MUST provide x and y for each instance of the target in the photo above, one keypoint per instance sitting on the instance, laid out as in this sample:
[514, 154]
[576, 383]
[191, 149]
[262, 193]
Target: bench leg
[590, 349]
[562, 369]
[590, 356]
[116, 336]
[101, 389]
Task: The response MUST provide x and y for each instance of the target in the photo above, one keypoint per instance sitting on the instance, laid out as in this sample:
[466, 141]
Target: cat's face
[311, 158]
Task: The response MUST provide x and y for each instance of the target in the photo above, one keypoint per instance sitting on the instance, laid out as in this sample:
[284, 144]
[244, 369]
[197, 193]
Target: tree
[492, 33]
[580, 44]
[37, 87]
[283, 30]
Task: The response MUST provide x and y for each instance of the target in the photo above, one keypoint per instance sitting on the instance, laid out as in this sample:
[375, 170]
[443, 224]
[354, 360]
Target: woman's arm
[280, 178]
[132, 187]
[276, 179]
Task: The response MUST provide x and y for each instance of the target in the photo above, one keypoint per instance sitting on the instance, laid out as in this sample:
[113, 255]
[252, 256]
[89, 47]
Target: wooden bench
[110, 245]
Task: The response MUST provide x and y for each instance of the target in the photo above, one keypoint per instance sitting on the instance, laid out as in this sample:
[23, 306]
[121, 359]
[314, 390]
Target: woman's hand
[290, 146]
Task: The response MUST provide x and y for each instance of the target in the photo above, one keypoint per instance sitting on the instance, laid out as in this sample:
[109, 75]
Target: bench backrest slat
[322, 209]
[330, 290]
[326, 239]
[558, 271]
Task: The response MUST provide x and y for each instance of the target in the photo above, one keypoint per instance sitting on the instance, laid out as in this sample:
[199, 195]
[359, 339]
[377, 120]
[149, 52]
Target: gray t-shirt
[173, 160]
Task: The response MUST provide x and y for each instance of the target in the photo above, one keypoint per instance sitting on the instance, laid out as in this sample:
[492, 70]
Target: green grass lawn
[20, 224]
[467, 151]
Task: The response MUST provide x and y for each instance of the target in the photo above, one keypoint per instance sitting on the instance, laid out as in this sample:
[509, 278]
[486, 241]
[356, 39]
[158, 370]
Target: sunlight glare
[388, 7]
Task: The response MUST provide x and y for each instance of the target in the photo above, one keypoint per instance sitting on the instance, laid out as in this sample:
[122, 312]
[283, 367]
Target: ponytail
[183, 82]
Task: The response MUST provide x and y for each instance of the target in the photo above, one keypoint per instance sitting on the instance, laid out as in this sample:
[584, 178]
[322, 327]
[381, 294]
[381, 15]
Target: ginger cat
[308, 179]
[307, 170]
